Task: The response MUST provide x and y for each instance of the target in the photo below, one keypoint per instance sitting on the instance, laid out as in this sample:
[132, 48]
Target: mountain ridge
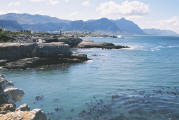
[25, 18]
[44, 23]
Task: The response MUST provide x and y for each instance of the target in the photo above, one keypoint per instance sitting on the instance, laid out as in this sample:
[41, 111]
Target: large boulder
[13, 94]
[4, 83]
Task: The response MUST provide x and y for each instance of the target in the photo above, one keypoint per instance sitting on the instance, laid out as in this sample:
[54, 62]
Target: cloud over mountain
[128, 8]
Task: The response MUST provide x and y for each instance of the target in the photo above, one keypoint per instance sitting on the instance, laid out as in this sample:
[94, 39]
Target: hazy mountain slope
[31, 19]
[160, 32]
[10, 25]
[128, 27]
[102, 25]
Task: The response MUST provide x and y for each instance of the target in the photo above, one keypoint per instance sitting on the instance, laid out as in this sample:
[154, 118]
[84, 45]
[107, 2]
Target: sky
[160, 14]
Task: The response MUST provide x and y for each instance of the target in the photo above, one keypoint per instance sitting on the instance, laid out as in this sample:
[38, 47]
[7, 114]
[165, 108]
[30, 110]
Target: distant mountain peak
[103, 18]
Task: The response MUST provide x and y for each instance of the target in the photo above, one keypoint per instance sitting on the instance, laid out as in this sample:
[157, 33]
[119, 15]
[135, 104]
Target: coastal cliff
[28, 55]
[14, 51]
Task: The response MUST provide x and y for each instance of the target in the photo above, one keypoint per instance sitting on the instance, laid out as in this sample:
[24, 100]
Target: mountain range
[45, 23]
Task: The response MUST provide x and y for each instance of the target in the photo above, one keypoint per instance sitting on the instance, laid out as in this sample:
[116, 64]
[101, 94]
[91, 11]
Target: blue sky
[162, 14]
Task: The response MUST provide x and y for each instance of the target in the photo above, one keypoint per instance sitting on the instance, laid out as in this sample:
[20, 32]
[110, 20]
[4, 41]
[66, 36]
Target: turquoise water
[140, 83]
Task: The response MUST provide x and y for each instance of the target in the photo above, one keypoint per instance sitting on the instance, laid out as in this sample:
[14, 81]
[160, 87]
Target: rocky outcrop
[13, 94]
[72, 41]
[4, 83]
[14, 51]
[8, 110]
[42, 61]
[104, 45]
[79, 43]
[28, 55]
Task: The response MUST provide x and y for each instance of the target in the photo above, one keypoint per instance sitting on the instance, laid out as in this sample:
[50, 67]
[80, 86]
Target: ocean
[137, 83]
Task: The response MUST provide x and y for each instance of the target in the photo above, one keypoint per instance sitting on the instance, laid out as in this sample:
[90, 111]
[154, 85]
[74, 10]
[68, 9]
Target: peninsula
[25, 49]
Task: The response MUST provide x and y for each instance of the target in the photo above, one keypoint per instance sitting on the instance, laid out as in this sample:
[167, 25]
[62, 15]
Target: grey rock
[4, 83]
[73, 42]
[104, 45]
[13, 94]
[14, 51]
[41, 61]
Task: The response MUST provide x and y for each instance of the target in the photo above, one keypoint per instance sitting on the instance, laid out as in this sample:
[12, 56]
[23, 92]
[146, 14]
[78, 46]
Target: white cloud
[86, 3]
[66, 1]
[73, 16]
[14, 4]
[36, 0]
[173, 21]
[126, 8]
[170, 24]
[9, 11]
[53, 2]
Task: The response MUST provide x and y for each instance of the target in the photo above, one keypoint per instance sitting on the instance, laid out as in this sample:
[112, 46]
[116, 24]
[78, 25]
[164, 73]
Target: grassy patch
[5, 37]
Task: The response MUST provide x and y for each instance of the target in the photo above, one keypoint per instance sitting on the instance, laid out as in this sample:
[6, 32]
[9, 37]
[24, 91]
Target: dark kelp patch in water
[159, 104]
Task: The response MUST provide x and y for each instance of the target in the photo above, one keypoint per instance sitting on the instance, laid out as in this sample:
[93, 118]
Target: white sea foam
[173, 46]
[135, 47]
[89, 61]
[157, 48]
[160, 47]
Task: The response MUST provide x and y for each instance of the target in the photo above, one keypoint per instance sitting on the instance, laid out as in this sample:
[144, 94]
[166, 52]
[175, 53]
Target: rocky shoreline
[29, 50]
[8, 99]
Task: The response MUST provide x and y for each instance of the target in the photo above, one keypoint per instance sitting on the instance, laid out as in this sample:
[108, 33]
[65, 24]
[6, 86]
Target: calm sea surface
[140, 83]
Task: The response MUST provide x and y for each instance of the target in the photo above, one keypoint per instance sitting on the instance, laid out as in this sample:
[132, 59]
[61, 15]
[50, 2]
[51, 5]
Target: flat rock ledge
[8, 99]
[28, 55]
[103, 45]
